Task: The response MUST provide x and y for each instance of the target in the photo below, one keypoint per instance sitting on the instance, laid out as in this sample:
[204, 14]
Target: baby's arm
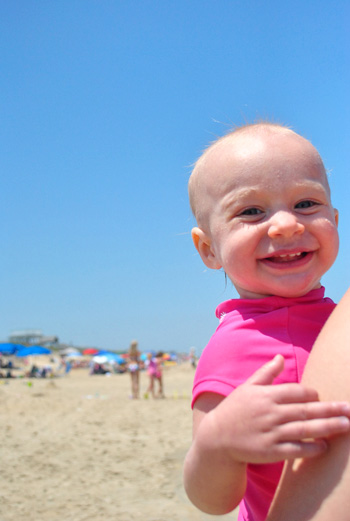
[257, 423]
[214, 482]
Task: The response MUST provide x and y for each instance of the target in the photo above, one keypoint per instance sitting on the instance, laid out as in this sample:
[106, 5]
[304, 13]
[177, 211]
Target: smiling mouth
[288, 257]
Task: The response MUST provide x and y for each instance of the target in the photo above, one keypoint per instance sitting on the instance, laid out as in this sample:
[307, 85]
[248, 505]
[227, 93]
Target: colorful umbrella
[90, 351]
[32, 351]
[9, 348]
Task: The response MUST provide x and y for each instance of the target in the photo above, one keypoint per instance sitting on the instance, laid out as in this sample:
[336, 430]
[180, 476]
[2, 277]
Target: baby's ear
[203, 245]
[336, 216]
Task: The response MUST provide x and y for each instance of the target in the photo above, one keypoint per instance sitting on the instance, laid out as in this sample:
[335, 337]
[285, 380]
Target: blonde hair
[133, 347]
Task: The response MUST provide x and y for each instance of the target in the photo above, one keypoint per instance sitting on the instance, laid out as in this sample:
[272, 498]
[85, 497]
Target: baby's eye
[305, 204]
[251, 211]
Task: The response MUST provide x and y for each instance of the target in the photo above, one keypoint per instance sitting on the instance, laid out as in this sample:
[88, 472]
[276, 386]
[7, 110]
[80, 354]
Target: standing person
[159, 374]
[151, 371]
[133, 366]
[155, 373]
[68, 367]
[262, 203]
[193, 357]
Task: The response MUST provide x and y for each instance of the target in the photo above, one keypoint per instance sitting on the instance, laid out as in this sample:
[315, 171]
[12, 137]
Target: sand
[77, 448]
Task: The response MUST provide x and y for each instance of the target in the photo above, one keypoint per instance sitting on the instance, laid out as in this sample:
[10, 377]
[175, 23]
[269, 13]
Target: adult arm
[318, 489]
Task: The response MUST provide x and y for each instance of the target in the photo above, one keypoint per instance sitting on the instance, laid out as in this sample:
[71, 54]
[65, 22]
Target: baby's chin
[284, 292]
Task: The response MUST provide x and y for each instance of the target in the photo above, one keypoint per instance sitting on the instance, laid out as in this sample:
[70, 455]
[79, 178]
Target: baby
[262, 202]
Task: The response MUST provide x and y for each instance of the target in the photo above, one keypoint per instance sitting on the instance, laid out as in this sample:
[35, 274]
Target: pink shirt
[251, 332]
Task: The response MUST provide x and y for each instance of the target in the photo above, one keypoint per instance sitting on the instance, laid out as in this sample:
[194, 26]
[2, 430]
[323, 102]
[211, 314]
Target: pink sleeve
[236, 350]
[249, 338]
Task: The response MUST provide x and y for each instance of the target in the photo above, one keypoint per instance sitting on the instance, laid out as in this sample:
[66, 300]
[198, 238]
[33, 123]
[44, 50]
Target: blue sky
[104, 107]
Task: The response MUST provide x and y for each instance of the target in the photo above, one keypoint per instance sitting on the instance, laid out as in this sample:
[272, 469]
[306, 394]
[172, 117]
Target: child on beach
[262, 202]
[155, 373]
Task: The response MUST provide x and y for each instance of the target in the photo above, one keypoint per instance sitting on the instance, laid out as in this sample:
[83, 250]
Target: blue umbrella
[111, 356]
[9, 348]
[33, 350]
[114, 357]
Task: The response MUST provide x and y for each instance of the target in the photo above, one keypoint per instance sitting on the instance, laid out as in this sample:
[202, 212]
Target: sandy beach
[77, 448]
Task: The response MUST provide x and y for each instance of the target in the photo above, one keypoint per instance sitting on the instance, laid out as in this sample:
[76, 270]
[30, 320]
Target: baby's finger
[312, 429]
[304, 449]
[266, 374]
[313, 410]
[293, 393]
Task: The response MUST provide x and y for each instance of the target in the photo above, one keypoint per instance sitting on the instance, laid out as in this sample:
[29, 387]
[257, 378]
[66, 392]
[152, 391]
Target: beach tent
[32, 351]
[68, 351]
[74, 355]
[99, 359]
[9, 348]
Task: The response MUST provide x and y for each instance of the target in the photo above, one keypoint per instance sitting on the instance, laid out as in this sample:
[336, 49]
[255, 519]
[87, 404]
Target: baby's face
[266, 213]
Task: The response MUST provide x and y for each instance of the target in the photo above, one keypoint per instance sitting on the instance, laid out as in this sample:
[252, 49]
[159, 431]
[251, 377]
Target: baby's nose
[286, 224]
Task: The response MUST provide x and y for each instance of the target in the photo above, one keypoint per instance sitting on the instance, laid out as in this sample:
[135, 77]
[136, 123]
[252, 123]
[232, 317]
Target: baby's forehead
[220, 161]
[245, 142]
[239, 150]
[231, 158]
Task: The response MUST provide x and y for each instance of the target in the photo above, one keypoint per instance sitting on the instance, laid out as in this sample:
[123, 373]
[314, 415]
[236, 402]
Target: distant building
[31, 337]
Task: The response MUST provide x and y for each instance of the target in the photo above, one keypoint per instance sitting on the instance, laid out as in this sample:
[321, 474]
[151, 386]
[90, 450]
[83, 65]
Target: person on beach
[133, 367]
[155, 374]
[262, 202]
[193, 360]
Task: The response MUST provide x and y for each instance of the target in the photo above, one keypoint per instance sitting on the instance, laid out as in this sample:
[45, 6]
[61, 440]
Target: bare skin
[284, 422]
[263, 207]
[318, 489]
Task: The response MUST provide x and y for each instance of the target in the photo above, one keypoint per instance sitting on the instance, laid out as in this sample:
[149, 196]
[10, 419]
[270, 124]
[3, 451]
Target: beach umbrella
[9, 348]
[90, 351]
[114, 357]
[33, 351]
[108, 358]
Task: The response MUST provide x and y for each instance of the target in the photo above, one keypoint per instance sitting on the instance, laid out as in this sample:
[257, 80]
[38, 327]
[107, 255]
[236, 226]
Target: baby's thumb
[266, 374]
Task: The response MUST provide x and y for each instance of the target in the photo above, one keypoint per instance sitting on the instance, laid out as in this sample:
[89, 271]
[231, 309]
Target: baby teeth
[291, 255]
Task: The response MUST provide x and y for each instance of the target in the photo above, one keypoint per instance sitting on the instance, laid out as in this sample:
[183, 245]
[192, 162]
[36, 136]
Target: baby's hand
[264, 423]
